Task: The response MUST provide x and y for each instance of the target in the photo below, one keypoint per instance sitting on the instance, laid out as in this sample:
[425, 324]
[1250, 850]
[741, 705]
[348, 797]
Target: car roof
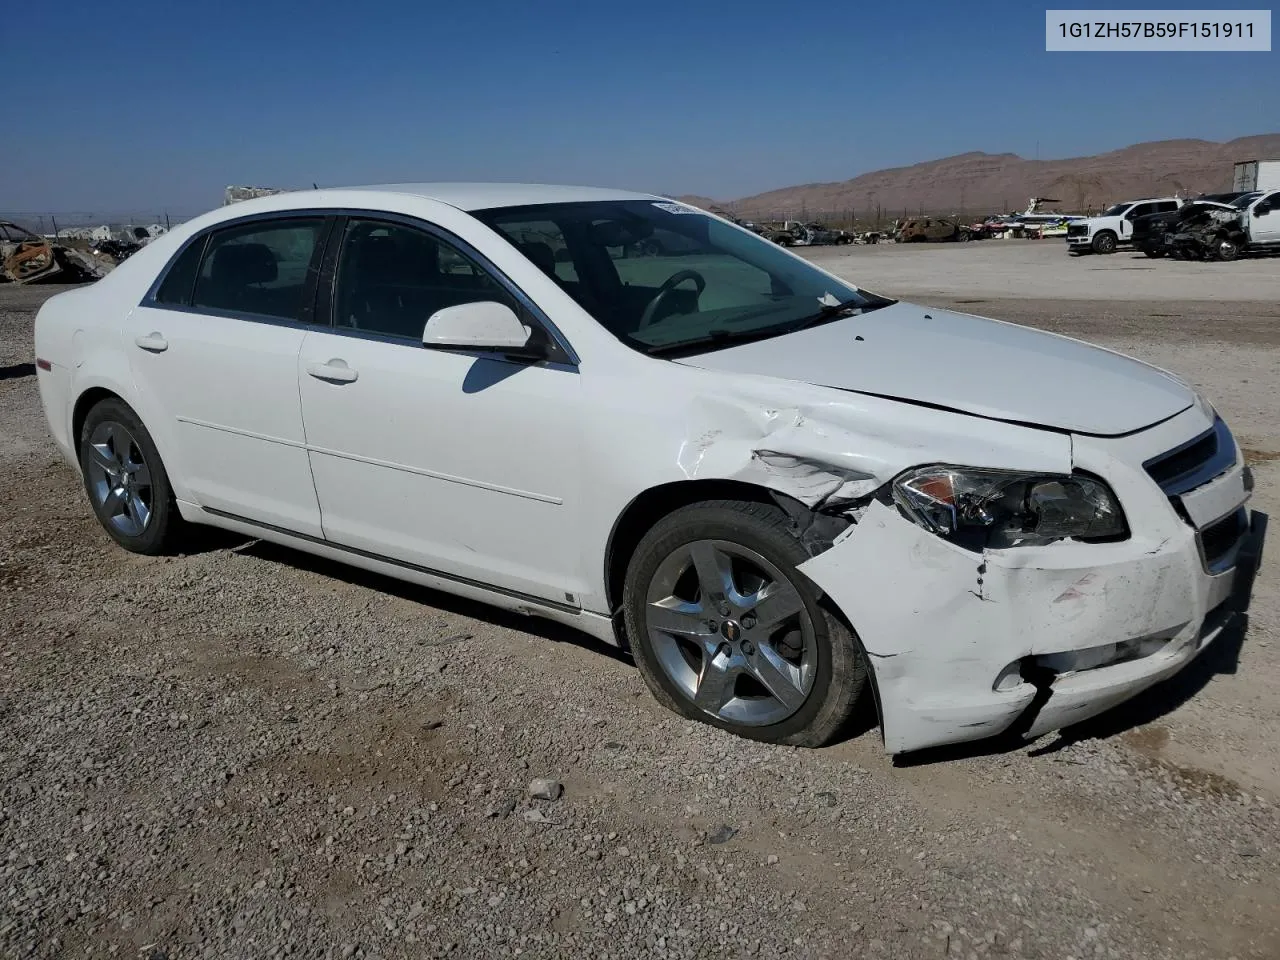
[480, 196]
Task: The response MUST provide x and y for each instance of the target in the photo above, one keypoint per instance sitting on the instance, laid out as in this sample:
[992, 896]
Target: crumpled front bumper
[950, 631]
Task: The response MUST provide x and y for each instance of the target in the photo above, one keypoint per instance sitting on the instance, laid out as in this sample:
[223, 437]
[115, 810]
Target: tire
[125, 480]
[965, 236]
[1152, 251]
[1226, 249]
[1105, 242]
[717, 650]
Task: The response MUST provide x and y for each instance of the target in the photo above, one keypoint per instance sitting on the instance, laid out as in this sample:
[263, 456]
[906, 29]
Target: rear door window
[259, 268]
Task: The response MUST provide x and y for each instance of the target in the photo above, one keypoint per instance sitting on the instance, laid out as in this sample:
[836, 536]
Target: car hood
[969, 364]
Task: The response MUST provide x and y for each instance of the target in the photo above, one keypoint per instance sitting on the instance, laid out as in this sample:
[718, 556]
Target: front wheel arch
[650, 506]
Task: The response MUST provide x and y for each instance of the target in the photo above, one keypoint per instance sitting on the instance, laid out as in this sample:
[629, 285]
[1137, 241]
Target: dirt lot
[245, 752]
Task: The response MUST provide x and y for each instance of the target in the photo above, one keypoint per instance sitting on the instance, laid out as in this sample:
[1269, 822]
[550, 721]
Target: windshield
[661, 276]
[1243, 201]
[1115, 211]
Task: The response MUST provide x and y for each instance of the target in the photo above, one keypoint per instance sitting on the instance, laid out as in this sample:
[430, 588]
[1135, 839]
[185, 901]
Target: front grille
[1077, 230]
[1219, 540]
[1194, 463]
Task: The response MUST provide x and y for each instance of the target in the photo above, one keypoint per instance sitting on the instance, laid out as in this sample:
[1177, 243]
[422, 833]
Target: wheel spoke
[715, 683]
[138, 511]
[101, 456]
[780, 678]
[715, 573]
[779, 603]
[677, 617]
[114, 501]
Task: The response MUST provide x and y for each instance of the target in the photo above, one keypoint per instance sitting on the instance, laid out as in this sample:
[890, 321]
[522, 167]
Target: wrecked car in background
[780, 491]
[26, 257]
[1205, 229]
[1152, 232]
[793, 233]
[927, 229]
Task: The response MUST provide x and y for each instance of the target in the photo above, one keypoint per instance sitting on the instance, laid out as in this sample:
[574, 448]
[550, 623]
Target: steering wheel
[673, 281]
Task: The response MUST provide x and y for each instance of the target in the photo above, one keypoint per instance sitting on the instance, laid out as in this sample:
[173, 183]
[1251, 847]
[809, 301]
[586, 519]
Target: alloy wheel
[731, 632]
[119, 478]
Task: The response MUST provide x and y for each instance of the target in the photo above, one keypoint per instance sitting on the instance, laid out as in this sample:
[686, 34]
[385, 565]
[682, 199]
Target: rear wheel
[126, 482]
[726, 630]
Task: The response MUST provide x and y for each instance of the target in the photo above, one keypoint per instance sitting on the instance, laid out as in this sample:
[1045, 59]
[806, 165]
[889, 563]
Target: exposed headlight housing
[998, 508]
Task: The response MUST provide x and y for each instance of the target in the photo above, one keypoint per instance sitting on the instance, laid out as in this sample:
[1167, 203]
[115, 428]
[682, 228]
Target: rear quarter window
[181, 276]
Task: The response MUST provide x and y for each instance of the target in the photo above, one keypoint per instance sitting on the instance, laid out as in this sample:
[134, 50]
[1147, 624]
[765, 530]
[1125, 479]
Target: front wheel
[1227, 249]
[727, 631]
[1104, 242]
[126, 482]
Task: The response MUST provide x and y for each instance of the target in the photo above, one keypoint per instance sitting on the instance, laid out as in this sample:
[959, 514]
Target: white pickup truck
[1114, 226]
[1258, 230]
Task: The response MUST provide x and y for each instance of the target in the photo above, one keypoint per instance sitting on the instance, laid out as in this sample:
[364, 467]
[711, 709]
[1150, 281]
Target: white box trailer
[1256, 175]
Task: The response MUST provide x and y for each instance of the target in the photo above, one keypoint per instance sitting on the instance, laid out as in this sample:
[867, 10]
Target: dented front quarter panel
[941, 624]
[828, 448]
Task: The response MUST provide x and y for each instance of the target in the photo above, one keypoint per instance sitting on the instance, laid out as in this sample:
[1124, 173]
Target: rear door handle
[152, 342]
[334, 371]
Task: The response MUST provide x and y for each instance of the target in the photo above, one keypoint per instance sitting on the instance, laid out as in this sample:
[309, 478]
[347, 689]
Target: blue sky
[148, 105]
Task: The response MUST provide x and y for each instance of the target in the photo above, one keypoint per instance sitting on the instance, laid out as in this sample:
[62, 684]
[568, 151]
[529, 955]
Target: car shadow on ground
[1220, 658]
[16, 370]
[427, 597]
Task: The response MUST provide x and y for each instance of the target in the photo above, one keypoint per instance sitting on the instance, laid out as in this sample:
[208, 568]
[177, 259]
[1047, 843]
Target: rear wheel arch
[84, 403]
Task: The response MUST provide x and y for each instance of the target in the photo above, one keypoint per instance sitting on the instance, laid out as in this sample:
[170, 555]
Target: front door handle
[152, 343]
[334, 371]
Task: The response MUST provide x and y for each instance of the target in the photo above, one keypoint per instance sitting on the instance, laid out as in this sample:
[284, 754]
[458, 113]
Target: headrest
[244, 263]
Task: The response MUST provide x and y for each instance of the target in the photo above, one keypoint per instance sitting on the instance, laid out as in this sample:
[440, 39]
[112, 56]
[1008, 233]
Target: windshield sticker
[675, 208]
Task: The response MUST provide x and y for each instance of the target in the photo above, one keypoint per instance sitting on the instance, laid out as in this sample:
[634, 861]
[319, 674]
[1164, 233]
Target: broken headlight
[999, 508]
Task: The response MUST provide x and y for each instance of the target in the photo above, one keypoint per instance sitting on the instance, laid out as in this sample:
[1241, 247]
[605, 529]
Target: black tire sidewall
[1104, 243]
[839, 656]
[164, 511]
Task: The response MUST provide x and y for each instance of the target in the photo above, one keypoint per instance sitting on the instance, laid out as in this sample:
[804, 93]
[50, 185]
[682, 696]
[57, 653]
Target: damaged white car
[783, 493]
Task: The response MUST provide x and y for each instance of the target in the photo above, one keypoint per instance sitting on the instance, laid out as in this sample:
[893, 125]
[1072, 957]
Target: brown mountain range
[980, 183]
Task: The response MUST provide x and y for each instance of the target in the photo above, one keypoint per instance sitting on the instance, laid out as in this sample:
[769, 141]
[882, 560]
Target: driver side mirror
[484, 325]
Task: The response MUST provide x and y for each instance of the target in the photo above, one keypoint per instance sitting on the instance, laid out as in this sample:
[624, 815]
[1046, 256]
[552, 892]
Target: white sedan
[779, 491]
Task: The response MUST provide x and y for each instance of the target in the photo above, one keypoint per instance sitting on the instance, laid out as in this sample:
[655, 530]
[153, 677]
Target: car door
[1264, 219]
[214, 354]
[461, 462]
[1132, 214]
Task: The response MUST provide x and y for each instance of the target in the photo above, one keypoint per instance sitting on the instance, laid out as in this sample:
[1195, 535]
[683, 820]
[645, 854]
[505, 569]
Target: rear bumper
[968, 645]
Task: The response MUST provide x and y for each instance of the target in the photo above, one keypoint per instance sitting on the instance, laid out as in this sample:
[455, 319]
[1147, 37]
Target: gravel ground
[248, 752]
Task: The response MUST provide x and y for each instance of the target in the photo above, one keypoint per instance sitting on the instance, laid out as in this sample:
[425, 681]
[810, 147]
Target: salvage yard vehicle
[1153, 232]
[924, 229]
[26, 257]
[1204, 230]
[778, 490]
[1113, 228]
